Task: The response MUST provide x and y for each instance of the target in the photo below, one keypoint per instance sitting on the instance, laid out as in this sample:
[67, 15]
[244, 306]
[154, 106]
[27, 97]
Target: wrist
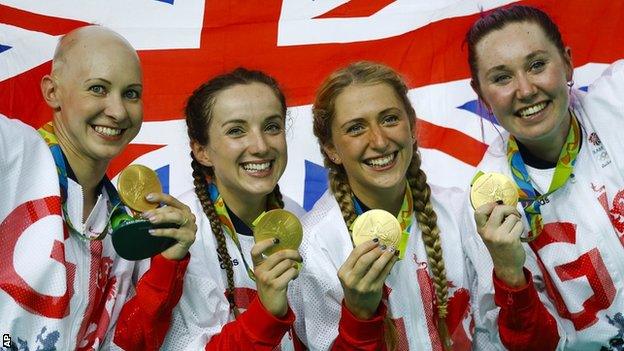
[513, 277]
[358, 312]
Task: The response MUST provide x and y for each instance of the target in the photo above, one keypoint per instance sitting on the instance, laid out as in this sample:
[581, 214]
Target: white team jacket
[56, 290]
[582, 246]
[203, 308]
[316, 294]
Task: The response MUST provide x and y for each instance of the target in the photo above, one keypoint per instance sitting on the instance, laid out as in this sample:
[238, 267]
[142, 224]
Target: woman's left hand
[173, 212]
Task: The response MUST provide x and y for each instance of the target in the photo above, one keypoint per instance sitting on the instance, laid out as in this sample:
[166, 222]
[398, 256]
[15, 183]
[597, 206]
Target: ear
[568, 61]
[201, 153]
[50, 92]
[475, 87]
[330, 151]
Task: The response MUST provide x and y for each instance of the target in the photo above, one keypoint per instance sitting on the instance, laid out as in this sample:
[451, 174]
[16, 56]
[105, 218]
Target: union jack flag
[182, 43]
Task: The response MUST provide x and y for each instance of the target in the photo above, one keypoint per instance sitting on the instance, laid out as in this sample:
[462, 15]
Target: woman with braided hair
[364, 298]
[233, 300]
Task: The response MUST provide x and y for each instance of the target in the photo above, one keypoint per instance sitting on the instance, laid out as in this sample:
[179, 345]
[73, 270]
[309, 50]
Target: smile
[532, 110]
[257, 168]
[381, 162]
[107, 131]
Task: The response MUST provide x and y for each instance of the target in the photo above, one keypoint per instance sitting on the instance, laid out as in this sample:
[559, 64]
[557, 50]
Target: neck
[247, 209]
[390, 199]
[88, 172]
[549, 148]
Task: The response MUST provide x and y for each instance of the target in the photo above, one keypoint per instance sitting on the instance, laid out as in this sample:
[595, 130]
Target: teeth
[532, 110]
[254, 167]
[381, 161]
[107, 131]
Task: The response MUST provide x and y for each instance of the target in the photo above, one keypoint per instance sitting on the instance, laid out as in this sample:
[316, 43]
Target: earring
[570, 83]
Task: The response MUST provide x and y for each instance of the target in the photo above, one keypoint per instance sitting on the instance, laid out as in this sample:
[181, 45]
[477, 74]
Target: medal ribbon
[227, 223]
[404, 217]
[116, 211]
[529, 197]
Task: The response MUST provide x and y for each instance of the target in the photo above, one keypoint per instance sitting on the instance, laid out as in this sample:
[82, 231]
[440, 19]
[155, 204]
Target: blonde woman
[363, 298]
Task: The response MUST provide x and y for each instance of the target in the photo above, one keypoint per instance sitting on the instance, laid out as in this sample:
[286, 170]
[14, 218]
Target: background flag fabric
[182, 43]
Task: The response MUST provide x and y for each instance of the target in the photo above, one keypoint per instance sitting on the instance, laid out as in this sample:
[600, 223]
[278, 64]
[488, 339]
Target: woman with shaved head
[64, 287]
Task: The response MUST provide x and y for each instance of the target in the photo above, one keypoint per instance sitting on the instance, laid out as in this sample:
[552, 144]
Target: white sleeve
[609, 87]
[199, 315]
[317, 309]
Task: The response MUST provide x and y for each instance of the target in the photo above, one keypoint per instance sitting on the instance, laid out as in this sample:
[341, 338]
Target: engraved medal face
[134, 183]
[377, 224]
[279, 224]
[492, 187]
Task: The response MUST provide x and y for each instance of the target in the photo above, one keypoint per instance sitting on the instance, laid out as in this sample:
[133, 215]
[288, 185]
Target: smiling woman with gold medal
[563, 288]
[235, 290]
[62, 280]
[384, 266]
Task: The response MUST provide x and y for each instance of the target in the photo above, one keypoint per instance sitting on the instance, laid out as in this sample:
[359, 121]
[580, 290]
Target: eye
[132, 94]
[97, 89]
[390, 120]
[501, 78]
[355, 129]
[235, 131]
[274, 128]
[538, 65]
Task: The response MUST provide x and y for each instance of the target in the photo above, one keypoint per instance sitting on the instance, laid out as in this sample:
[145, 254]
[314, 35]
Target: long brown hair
[198, 112]
[324, 109]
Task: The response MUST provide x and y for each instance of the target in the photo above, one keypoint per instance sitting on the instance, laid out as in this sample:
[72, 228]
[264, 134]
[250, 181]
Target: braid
[342, 192]
[201, 189]
[427, 221]
[278, 196]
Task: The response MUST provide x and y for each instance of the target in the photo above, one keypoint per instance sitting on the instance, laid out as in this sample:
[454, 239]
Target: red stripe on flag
[36, 22]
[357, 8]
[20, 97]
[450, 141]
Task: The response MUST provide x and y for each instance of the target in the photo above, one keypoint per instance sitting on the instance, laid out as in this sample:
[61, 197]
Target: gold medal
[377, 224]
[492, 187]
[134, 183]
[279, 224]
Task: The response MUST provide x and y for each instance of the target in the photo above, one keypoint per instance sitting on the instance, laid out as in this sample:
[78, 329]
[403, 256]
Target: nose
[258, 144]
[525, 89]
[115, 107]
[378, 138]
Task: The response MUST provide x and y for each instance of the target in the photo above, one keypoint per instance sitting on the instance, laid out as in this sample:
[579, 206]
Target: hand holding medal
[278, 234]
[169, 229]
[378, 241]
[494, 197]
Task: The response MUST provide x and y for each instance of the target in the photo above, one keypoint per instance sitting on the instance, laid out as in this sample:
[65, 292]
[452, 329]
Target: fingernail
[375, 239]
[276, 241]
[152, 231]
[151, 218]
[147, 214]
[500, 202]
[383, 247]
[397, 253]
[149, 197]
[391, 249]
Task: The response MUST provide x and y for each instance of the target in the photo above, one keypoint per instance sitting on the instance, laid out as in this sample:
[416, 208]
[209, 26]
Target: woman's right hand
[363, 275]
[273, 274]
[500, 227]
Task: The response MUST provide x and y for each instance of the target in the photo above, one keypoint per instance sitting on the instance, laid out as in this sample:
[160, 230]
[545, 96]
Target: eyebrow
[139, 85]
[527, 58]
[380, 113]
[233, 121]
